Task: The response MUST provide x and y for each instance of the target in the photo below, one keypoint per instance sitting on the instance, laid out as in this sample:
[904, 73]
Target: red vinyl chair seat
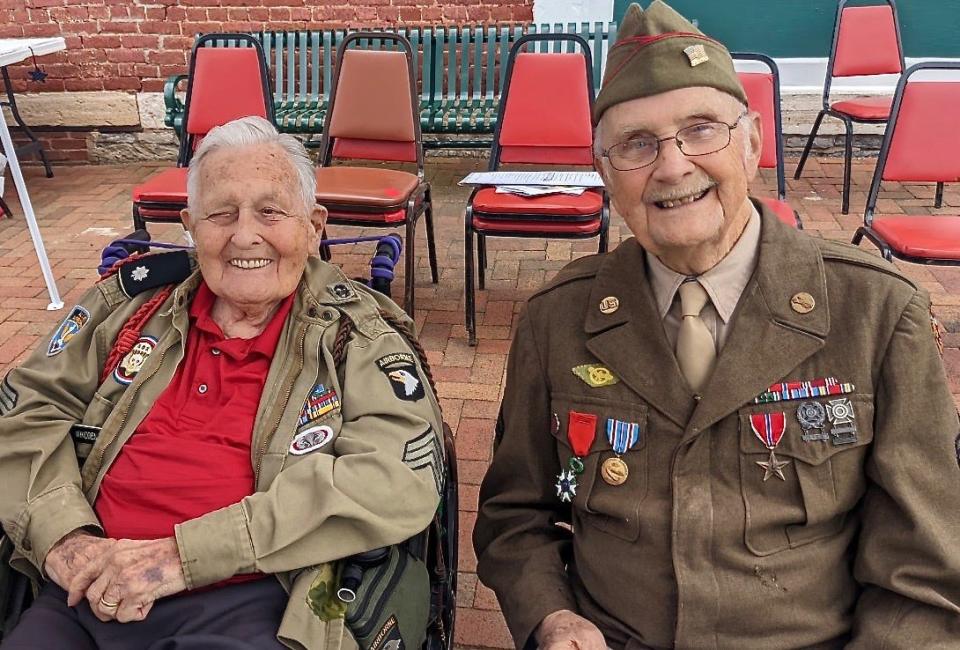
[921, 236]
[865, 108]
[374, 218]
[560, 226]
[168, 186]
[494, 205]
[782, 209]
[365, 186]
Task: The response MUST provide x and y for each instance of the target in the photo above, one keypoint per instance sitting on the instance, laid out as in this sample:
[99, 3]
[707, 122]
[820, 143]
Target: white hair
[248, 132]
[746, 126]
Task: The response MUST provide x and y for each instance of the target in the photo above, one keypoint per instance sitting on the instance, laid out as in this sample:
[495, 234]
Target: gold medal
[614, 471]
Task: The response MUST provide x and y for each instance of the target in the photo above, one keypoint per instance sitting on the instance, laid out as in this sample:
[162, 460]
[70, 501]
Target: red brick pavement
[83, 208]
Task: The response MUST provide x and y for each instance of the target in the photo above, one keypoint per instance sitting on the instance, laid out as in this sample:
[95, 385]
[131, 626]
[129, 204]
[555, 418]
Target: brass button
[609, 305]
[802, 303]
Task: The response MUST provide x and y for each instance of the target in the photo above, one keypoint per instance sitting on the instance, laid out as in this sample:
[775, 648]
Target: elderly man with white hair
[247, 414]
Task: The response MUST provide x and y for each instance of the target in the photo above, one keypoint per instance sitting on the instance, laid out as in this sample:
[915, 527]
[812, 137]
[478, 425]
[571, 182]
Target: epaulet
[580, 269]
[137, 274]
[843, 253]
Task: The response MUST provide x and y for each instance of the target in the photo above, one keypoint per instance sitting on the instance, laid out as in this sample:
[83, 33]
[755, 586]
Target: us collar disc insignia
[320, 402]
[609, 305]
[132, 362]
[769, 428]
[791, 390]
[844, 430]
[614, 471]
[566, 486]
[802, 303]
[812, 417]
[595, 375]
[401, 369]
[696, 54]
[69, 328]
[310, 440]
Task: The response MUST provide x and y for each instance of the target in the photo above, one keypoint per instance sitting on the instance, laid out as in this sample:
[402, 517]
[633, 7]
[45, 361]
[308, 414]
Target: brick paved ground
[83, 208]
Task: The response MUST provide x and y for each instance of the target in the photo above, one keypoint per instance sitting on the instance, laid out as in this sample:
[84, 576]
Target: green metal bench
[459, 75]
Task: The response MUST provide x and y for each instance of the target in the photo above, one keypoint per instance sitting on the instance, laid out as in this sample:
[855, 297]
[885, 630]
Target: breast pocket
[612, 484]
[822, 468]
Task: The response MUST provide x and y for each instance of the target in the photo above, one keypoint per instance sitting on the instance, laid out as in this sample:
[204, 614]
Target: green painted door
[804, 28]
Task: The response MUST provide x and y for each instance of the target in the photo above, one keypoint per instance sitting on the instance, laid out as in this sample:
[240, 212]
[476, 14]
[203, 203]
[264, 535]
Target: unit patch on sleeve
[401, 369]
[388, 638]
[133, 361]
[8, 396]
[69, 328]
[320, 402]
[423, 452]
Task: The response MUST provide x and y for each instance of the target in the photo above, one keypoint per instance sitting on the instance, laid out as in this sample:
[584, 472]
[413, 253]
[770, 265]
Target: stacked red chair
[866, 41]
[763, 95]
[373, 116]
[921, 144]
[225, 83]
[544, 120]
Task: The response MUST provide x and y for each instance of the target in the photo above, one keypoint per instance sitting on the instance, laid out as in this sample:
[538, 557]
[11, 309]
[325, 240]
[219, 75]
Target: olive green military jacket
[859, 543]
[328, 472]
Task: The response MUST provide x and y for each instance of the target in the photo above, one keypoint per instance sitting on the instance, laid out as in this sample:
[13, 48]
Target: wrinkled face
[251, 228]
[682, 203]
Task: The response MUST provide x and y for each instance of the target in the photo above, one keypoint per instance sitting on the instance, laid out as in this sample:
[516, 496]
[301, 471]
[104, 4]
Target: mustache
[656, 195]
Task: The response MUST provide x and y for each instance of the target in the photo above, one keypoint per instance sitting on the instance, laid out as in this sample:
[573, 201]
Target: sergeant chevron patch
[8, 397]
[424, 452]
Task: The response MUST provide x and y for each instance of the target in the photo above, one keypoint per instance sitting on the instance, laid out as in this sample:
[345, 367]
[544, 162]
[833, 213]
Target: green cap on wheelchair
[659, 50]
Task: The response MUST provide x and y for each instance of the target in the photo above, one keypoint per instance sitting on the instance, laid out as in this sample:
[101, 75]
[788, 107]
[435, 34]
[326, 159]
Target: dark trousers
[243, 616]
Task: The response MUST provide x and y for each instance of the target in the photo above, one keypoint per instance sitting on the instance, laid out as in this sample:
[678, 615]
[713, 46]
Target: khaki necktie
[696, 350]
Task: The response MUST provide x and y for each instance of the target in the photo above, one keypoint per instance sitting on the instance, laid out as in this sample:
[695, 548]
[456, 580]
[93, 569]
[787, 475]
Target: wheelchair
[437, 546]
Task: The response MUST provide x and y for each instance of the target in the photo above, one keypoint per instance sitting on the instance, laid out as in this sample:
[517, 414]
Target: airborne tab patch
[401, 369]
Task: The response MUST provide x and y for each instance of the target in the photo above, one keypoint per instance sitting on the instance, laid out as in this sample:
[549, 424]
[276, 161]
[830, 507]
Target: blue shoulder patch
[69, 328]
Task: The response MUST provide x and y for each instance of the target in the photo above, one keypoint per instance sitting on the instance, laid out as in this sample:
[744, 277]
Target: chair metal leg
[34, 144]
[809, 145]
[409, 267]
[470, 308]
[138, 222]
[5, 209]
[847, 163]
[325, 253]
[482, 260]
[938, 200]
[857, 237]
[431, 240]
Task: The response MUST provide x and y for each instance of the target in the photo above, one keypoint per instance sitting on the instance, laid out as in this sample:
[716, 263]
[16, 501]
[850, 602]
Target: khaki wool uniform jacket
[858, 547]
[367, 488]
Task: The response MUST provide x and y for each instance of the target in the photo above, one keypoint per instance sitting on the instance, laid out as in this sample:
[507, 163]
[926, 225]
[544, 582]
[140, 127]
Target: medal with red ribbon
[581, 431]
[769, 428]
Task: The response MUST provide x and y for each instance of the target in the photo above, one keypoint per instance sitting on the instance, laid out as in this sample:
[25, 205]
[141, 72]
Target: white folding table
[14, 50]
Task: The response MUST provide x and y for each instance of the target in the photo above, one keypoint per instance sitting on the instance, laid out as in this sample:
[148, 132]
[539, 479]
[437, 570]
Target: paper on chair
[566, 178]
[540, 190]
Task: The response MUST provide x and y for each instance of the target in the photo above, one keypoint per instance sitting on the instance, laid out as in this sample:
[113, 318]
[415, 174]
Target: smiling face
[252, 231]
[680, 207]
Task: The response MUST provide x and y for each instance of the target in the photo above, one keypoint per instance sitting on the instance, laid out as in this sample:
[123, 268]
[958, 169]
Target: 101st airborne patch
[401, 369]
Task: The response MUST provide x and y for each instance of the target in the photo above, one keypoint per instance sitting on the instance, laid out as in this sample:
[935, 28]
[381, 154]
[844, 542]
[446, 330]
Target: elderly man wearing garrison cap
[724, 433]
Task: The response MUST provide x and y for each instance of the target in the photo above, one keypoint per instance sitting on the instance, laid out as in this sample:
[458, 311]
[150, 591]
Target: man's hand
[563, 630]
[75, 553]
[131, 577]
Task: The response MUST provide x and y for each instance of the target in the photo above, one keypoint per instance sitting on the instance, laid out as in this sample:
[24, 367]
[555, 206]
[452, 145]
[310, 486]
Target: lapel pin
[609, 305]
[802, 303]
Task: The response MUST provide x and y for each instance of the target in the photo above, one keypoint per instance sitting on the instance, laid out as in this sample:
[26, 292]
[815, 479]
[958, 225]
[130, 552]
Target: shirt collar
[264, 344]
[724, 283]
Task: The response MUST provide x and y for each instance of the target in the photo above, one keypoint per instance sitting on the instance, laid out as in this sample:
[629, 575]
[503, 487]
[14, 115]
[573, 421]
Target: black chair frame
[866, 230]
[470, 266]
[420, 201]
[847, 120]
[188, 142]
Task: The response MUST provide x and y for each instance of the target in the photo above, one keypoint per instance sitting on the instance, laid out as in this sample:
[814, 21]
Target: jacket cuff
[48, 519]
[215, 547]
[531, 611]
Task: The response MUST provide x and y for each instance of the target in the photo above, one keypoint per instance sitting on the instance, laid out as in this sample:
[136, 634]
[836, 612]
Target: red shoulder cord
[130, 332]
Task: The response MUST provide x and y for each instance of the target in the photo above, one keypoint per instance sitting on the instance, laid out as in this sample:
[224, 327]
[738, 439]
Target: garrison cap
[658, 50]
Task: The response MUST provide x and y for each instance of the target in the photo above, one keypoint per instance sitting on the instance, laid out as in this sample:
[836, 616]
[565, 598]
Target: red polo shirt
[191, 454]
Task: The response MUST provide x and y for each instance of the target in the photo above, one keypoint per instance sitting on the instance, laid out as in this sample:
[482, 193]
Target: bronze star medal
[769, 428]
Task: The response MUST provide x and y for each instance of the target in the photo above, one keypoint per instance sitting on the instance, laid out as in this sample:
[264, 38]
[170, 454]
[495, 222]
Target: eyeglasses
[694, 140]
[266, 216]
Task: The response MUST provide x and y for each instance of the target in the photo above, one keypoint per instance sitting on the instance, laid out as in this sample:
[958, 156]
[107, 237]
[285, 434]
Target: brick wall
[133, 45]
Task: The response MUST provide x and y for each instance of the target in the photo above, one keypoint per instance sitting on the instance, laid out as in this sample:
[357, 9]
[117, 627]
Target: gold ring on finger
[107, 604]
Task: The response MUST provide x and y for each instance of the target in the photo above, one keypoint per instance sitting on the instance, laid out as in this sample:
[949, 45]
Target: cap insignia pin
[697, 54]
